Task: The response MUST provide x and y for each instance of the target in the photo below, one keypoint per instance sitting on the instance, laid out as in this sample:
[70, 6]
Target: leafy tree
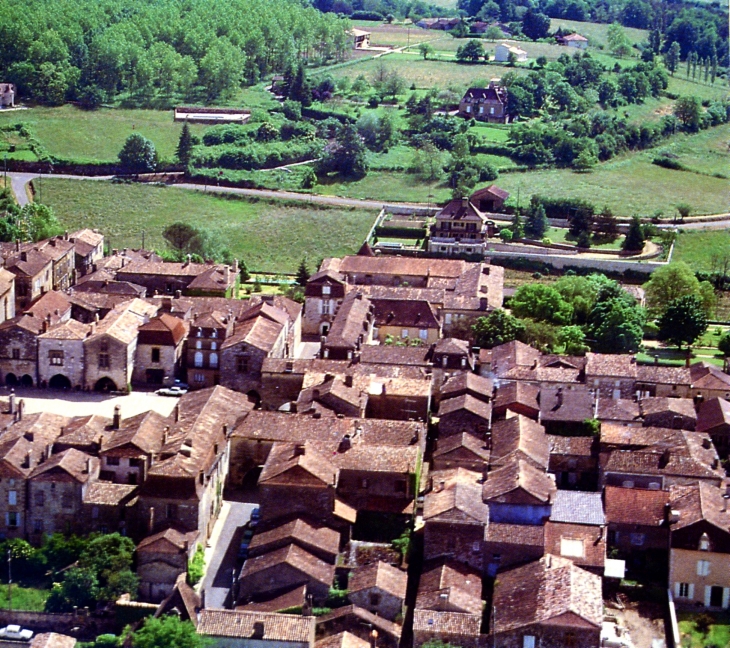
[182, 238]
[470, 51]
[518, 227]
[506, 235]
[634, 241]
[493, 33]
[109, 557]
[573, 338]
[426, 50]
[618, 42]
[615, 326]
[428, 161]
[585, 161]
[668, 283]
[688, 109]
[671, 58]
[606, 225]
[80, 588]
[723, 344]
[541, 335]
[167, 632]
[535, 25]
[581, 293]
[184, 145]
[346, 155]
[138, 155]
[536, 223]
[499, 327]
[683, 321]
[302, 273]
[300, 89]
[221, 69]
[462, 174]
[541, 303]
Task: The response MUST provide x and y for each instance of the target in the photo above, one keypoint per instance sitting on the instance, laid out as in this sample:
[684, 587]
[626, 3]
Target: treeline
[382, 9]
[94, 50]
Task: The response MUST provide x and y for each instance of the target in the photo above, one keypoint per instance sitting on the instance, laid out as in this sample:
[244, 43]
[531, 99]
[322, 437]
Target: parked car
[15, 632]
[255, 517]
[245, 542]
[172, 391]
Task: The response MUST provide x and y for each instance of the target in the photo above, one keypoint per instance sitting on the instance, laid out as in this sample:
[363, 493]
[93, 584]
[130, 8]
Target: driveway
[73, 403]
[221, 557]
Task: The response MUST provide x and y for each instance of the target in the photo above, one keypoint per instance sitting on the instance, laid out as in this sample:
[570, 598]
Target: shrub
[196, 566]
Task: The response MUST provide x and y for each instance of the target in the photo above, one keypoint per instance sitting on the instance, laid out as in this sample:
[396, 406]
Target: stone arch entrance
[105, 385]
[11, 380]
[59, 381]
[26, 381]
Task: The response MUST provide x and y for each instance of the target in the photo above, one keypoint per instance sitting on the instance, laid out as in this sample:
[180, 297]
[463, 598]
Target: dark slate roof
[576, 507]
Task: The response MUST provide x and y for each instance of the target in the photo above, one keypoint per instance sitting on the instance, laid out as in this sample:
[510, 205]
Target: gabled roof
[521, 436]
[299, 532]
[259, 332]
[465, 441]
[143, 431]
[78, 465]
[465, 403]
[567, 405]
[171, 328]
[662, 405]
[217, 278]
[621, 410]
[517, 394]
[546, 590]
[356, 616]
[52, 304]
[451, 586]
[405, 313]
[467, 382]
[707, 376]
[107, 494]
[490, 190]
[350, 323]
[285, 628]
[285, 456]
[293, 556]
[456, 498]
[461, 210]
[342, 640]
[518, 482]
[453, 346]
[574, 37]
[701, 501]
[577, 507]
[610, 365]
[68, 330]
[713, 414]
[659, 375]
[635, 506]
[172, 538]
[379, 575]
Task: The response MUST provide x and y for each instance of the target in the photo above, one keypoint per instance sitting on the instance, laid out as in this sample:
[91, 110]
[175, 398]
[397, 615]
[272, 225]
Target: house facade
[485, 104]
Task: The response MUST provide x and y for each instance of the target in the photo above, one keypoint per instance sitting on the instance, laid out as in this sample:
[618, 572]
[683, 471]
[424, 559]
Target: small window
[703, 567]
[637, 539]
[198, 359]
[213, 360]
[13, 519]
[16, 354]
[155, 356]
[571, 548]
[38, 526]
[67, 500]
[112, 461]
[103, 361]
[404, 333]
[13, 498]
[213, 346]
[214, 333]
[364, 483]
[628, 484]
[684, 590]
[56, 358]
[704, 542]
[199, 378]
[40, 498]
[326, 290]
[423, 334]
[198, 344]
[199, 333]
[528, 641]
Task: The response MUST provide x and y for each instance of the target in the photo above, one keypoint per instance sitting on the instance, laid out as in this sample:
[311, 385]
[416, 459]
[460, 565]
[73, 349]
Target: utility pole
[143, 239]
[10, 580]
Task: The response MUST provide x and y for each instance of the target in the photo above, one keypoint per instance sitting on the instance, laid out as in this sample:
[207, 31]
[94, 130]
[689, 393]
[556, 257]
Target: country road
[20, 180]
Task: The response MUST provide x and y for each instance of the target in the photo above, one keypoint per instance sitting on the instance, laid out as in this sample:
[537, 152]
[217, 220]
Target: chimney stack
[117, 419]
[21, 409]
[11, 400]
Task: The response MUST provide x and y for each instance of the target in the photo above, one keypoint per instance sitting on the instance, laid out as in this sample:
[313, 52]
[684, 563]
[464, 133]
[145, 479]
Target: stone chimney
[11, 401]
[117, 419]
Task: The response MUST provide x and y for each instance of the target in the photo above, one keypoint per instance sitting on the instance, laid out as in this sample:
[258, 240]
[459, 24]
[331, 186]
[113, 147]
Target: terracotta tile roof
[294, 597]
[515, 394]
[679, 406]
[405, 313]
[285, 456]
[635, 506]
[465, 440]
[527, 535]
[573, 446]
[123, 322]
[55, 248]
[658, 375]
[460, 209]
[467, 382]
[28, 323]
[264, 309]
[707, 376]
[359, 615]
[29, 263]
[259, 332]
[577, 507]
[173, 537]
[311, 567]
[490, 190]
[332, 393]
[456, 498]
[447, 623]
[516, 479]
[217, 278]
[544, 590]
[79, 465]
[68, 330]
[28, 438]
[238, 624]
[183, 601]
[402, 266]
[143, 431]
[621, 410]
[637, 437]
[390, 459]
[382, 354]
[513, 354]
[521, 436]
[162, 268]
[714, 413]
[452, 346]
[568, 405]
[108, 494]
[610, 365]
[466, 403]
[299, 532]
[701, 501]
[52, 304]
[342, 640]
[89, 236]
[350, 323]
[84, 432]
[163, 328]
[379, 575]
[451, 587]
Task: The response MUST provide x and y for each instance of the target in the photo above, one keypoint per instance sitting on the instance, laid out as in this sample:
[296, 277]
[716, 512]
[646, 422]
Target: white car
[15, 632]
[172, 391]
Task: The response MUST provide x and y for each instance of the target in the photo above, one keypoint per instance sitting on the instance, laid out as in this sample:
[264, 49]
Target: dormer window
[199, 333]
[704, 542]
[326, 290]
[214, 333]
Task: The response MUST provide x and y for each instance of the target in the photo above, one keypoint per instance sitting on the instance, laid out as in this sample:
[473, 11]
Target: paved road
[221, 557]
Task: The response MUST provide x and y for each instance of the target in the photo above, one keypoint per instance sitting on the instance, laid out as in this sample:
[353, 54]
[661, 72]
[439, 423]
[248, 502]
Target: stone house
[351, 328]
[282, 569]
[19, 350]
[380, 588]
[503, 51]
[61, 251]
[450, 586]
[463, 382]
[709, 381]
[519, 438]
[159, 352]
[406, 321]
[489, 199]
[7, 295]
[332, 397]
[53, 307]
[564, 411]
[320, 541]
[507, 545]
[56, 489]
[574, 461]
[675, 413]
[463, 414]
[110, 349]
[455, 518]
[485, 104]
[611, 376]
[573, 40]
[109, 508]
[465, 450]
[699, 554]
[207, 332]
[637, 523]
[33, 272]
[460, 228]
[161, 558]
[241, 629]
[454, 628]
[517, 398]
[551, 603]
[323, 293]
[654, 380]
[61, 360]
[360, 622]
[713, 418]
[576, 529]
[452, 353]
[160, 277]
[88, 250]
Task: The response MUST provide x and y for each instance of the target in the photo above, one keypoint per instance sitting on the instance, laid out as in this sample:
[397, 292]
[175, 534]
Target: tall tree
[167, 632]
[499, 327]
[302, 273]
[536, 223]
[184, 145]
[671, 58]
[634, 241]
[683, 321]
[535, 25]
[138, 155]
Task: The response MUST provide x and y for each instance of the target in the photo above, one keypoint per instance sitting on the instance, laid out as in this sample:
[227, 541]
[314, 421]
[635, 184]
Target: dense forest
[96, 50]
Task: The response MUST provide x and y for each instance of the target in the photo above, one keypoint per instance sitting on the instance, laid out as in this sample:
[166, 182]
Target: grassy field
[71, 133]
[383, 35]
[699, 249]
[24, 598]
[597, 33]
[705, 152]
[270, 236]
[681, 85]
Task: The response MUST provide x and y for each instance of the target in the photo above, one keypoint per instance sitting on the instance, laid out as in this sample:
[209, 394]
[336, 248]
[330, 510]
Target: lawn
[24, 598]
[702, 250]
[705, 152]
[270, 236]
[718, 632]
[389, 186]
[383, 35]
[597, 33]
[67, 132]
[681, 85]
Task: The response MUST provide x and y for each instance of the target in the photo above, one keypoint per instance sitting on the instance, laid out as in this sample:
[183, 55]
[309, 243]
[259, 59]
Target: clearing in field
[597, 33]
[270, 236]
